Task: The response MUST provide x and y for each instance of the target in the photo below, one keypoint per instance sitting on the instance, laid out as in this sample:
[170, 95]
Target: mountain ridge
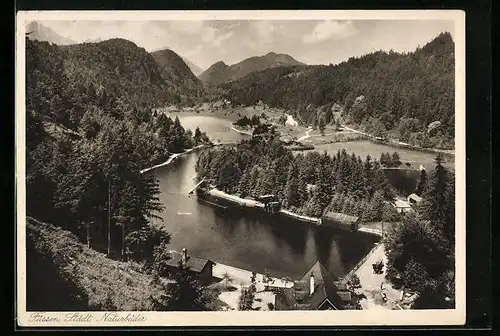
[221, 72]
[195, 69]
[178, 71]
[113, 70]
[40, 32]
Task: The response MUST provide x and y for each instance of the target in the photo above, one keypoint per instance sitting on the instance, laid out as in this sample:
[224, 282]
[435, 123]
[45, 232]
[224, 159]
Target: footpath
[375, 286]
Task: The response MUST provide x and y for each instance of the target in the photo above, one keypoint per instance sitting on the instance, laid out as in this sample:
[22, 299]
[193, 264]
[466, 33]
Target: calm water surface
[366, 147]
[280, 246]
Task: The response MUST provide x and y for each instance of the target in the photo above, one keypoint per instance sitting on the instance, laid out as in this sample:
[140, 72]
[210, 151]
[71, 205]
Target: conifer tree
[422, 183]
[292, 186]
[395, 159]
[436, 196]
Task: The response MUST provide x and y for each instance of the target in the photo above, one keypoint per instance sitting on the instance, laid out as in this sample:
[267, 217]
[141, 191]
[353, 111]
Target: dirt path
[374, 285]
[305, 136]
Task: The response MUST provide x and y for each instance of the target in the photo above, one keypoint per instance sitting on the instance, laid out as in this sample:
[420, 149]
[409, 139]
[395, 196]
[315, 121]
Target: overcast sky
[311, 42]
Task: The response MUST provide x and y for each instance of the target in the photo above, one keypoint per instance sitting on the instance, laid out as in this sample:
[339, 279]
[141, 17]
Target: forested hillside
[66, 79]
[196, 70]
[175, 70]
[221, 72]
[87, 179]
[66, 275]
[407, 96]
[90, 130]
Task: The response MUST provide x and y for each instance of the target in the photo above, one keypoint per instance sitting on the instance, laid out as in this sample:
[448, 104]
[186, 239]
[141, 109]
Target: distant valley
[406, 97]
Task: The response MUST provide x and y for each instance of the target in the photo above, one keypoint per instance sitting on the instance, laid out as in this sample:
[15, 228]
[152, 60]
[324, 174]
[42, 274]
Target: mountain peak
[175, 69]
[220, 64]
[221, 72]
[39, 32]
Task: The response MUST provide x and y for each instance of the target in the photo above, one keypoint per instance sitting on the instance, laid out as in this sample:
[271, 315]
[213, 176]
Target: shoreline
[241, 131]
[249, 203]
[173, 157]
[403, 145]
[224, 115]
[252, 204]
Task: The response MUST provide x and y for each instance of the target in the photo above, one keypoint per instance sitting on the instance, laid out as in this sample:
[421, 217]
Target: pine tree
[247, 296]
[435, 197]
[396, 161]
[376, 206]
[422, 183]
[321, 126]
[324, 190]
[384, 161]
[197, 136]
[292, 196]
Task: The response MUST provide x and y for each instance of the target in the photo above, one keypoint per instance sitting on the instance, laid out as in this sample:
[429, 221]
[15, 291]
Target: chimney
[184, 255]
[311, 284]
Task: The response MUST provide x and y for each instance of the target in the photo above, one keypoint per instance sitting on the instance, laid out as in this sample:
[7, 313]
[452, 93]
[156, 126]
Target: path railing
[346, 277]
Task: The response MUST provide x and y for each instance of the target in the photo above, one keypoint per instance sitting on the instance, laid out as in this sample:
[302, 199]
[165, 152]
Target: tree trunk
[88, 234]
[123, 240]
[100, 225]
[109, 217]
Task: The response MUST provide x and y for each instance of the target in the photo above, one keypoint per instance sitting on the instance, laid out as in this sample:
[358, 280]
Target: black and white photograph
[257, 165]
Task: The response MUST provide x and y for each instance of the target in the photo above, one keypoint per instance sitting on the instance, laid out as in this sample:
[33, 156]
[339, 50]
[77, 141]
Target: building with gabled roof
[200, 268]
[317, 290]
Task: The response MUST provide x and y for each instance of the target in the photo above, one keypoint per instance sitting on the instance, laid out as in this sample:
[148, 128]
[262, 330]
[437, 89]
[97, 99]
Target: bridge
[196, 186]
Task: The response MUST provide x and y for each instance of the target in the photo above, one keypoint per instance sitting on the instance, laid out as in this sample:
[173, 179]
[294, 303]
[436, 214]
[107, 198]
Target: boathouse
[271, 203]
[200, 268]
[317, 290]
[340, 221]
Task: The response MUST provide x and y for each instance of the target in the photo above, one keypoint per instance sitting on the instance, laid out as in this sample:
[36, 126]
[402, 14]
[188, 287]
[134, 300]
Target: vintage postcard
[236, 168]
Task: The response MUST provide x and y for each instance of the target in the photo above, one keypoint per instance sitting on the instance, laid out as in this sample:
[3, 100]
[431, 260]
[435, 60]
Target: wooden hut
[340, 221]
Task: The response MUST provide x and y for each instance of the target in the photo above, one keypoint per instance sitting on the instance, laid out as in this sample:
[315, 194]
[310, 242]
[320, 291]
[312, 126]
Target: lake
[219, 130]
[365, 147]
[282, 247]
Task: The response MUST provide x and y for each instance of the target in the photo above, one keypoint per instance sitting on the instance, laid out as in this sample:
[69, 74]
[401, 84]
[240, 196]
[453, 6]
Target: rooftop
[193, 263]
[340, 217]
[402, 204]
[415, 197]
[324, 287]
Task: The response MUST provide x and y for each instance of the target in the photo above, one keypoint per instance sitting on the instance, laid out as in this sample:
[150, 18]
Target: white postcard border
[273, 318]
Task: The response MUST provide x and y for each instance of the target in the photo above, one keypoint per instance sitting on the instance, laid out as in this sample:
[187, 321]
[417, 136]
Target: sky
[231, 41]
